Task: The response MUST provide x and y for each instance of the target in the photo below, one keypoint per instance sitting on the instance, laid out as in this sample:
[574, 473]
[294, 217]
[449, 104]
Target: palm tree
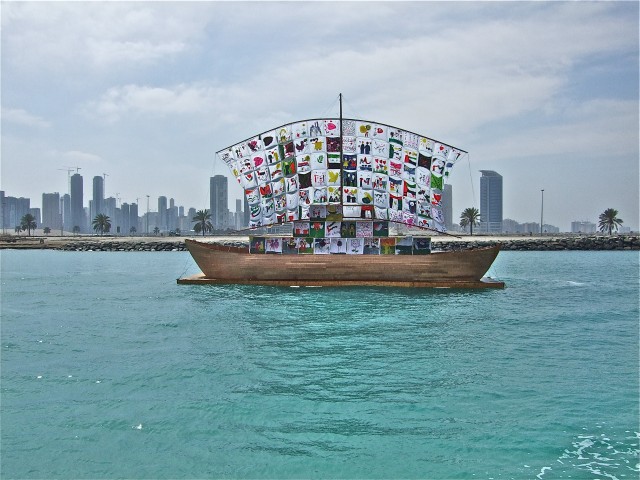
[609, 221]
[156, 230]
[133, 230]
[101, 223]
[76, 229]
[203, 222]
[18, 228]
[28, 222]
[47, 230]
[470, 216]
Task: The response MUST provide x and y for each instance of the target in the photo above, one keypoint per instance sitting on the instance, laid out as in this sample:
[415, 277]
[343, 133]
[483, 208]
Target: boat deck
[200, 279]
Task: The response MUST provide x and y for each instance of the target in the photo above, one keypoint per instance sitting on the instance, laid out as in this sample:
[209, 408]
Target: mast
[341, 156]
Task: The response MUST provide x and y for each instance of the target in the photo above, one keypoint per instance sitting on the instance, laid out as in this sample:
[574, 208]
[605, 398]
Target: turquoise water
[111, 370]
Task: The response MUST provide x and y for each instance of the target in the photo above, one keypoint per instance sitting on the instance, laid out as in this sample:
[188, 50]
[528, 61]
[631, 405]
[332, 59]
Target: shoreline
[552, 242]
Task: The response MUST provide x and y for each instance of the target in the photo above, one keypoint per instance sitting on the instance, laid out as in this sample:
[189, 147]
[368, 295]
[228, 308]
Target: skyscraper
[98, 197]
[77, 211]
[66, 210]
[133, 217]
[162, 213]
[246, 213]
[218, 197]
[51, 216]
[490, 202]
[447, 208]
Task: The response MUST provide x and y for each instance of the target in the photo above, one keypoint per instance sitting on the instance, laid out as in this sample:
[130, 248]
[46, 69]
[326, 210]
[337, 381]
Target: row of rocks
[595, 242]
[91, 246]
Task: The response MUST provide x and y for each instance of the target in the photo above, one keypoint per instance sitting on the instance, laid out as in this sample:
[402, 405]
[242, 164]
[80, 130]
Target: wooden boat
[342, 183]
[229, 264]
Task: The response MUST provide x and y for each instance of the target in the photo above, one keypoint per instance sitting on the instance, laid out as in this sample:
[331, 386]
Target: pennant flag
[284, 134]
[332, 128]
[355, 246]
[371, 246]
[364, 229]
[273, 245]
[348, 229]
[317, 229]
[315, 129]
[320, 195]
[338, 246]
[322, 246]
[436, 182]
[332, 229]
[388, 246]
[256, 245]
[301, 229]
[292, 183]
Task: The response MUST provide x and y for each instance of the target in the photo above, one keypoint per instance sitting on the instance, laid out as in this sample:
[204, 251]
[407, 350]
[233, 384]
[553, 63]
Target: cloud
[22, 117]
[119, 102]
[69, 38]
[78, 157]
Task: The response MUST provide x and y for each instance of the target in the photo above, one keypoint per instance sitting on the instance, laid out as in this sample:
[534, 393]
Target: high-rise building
[133, 217]
[162, 214]
[98, 197]
[218, 198]
[447, 206]
[490, 202]
[65, 208]
[77, 210]
[246, 213]
[125, 215]
[35, 213]
[51, 216]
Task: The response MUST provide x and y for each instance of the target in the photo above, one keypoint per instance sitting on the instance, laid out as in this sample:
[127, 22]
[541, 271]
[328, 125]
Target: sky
[544, 93]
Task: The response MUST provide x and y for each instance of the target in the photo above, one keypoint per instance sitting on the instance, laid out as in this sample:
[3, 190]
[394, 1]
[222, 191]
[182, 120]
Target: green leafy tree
[28, 222]
[203, 222]
[469, 216]
[609, 221]
[18, 228]
[47, 230]
[133, 230]
[76, 229]
[101, 224]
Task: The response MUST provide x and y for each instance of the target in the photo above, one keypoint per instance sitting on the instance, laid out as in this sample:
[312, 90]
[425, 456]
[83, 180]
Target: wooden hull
[222, 264]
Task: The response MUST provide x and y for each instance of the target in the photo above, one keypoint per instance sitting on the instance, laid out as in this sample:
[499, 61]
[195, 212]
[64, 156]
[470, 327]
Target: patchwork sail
[330, 170]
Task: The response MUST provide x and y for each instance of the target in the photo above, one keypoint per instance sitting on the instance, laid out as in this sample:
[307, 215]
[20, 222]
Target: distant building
[218, 201]
[162, 214]
[98, 197]
[77, 210]
[125, 218]
[51, 215]
[490, 202]
[35, 213]
[583, 227]
[133, 218]
[447, 209]
[246, 213]
[546, 228]
[65, 208]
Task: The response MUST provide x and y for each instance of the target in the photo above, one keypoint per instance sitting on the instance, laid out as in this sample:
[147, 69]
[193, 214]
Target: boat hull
[225, 264]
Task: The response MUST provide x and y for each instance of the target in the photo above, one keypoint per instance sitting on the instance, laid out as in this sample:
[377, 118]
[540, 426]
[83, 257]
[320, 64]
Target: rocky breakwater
[581, 242]
[121, 246]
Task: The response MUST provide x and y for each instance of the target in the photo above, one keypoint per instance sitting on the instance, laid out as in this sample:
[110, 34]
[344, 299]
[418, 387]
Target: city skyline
[220, 213]
[546, 93]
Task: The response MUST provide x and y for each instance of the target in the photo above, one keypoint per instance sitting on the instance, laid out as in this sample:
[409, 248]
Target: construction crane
[69, 170]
